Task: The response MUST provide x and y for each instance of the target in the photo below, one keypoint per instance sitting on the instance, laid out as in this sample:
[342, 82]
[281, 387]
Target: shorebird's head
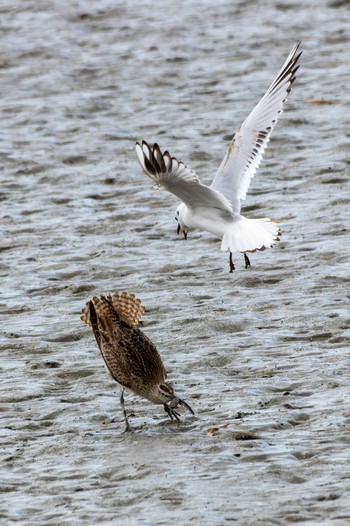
[179, 217]
[165, 392]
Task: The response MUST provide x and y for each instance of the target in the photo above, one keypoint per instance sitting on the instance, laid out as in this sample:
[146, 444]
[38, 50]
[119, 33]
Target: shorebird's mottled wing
[93, 322]
[248, 144]
[143, 360]
[174, 176]
[129, 354]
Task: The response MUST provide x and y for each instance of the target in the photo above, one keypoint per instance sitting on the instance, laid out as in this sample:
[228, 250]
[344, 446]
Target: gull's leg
[127, 425]
[232, 266]
[246, 260]
[185, 232]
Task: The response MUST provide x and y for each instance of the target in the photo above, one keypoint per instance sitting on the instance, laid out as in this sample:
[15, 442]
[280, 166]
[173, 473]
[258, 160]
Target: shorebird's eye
[167, 389]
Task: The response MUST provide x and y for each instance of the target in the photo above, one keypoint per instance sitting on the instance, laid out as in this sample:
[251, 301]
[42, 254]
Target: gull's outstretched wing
[248, 144]
[172, 175]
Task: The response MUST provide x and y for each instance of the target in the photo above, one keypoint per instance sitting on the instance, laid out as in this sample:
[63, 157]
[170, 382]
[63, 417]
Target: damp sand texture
[263, 351]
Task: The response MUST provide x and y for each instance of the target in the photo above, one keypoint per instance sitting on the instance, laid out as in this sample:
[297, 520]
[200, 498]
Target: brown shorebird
[217, 208]
[130, 356]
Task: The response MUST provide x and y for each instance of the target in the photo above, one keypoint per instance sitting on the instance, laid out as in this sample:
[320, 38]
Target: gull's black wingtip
[297, 45]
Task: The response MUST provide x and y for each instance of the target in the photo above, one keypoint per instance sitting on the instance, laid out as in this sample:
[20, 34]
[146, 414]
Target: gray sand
[265, 351]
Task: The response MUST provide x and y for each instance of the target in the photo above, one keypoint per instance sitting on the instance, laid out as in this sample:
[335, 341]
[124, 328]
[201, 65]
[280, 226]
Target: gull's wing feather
[248, 144]
[172, 175]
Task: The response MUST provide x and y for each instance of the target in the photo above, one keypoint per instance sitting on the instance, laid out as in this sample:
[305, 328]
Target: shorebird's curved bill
[185, 404]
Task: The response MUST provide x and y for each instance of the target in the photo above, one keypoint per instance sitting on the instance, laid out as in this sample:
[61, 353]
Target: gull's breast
[213, 220]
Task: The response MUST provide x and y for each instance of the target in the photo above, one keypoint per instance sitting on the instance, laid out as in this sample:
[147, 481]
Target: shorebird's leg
[185, 234]
[232, 266]
[246, 260]
[127, 425]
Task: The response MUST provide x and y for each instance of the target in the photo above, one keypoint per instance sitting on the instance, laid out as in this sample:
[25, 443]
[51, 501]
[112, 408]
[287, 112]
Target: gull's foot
[232, 265]
[246, 260]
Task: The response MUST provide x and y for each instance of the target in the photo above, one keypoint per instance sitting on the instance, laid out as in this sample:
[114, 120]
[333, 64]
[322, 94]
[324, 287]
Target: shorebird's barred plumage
[131, 358]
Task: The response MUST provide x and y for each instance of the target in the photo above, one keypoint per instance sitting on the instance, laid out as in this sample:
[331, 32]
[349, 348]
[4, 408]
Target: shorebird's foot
[128, 428]
[127, 425]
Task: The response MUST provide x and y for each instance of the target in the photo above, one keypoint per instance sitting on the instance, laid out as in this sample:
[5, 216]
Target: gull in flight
[216, 208]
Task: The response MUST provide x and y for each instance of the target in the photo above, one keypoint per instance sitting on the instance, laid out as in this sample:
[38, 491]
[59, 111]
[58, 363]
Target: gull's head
[179, 217]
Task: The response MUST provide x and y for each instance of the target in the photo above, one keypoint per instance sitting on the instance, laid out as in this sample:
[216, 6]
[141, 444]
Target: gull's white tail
[249, 235]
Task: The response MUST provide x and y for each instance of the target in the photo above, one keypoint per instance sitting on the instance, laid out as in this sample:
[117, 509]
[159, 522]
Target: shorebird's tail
[249, 235]
[126, 305]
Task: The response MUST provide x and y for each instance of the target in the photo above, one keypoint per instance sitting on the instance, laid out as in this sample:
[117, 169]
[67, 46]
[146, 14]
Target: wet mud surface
[263, 350]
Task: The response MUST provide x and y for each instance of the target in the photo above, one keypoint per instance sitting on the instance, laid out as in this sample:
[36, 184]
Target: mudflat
[261, 355]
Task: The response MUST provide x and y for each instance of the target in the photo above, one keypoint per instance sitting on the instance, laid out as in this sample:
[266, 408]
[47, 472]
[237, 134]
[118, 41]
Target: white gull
[216, 208]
